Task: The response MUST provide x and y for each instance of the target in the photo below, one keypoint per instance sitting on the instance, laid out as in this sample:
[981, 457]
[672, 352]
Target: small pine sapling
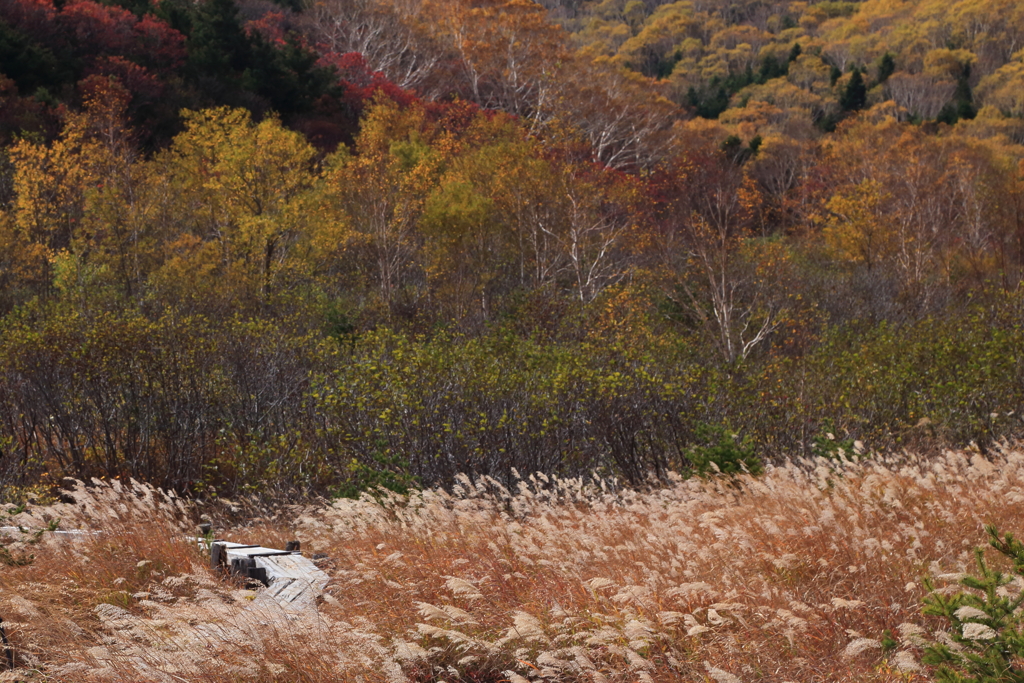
[985, 643]
[721, 451]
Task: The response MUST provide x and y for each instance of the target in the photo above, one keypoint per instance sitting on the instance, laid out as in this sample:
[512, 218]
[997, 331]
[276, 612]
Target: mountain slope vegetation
[324, 247]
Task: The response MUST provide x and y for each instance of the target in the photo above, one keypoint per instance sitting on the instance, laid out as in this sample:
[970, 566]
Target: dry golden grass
[792, 576]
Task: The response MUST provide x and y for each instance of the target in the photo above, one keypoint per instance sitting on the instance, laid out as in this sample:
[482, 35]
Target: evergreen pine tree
[217, 47]
[855, 94]
[886, 67]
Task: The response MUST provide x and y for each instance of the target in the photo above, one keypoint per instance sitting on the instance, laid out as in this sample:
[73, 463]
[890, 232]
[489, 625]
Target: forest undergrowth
[795, 575]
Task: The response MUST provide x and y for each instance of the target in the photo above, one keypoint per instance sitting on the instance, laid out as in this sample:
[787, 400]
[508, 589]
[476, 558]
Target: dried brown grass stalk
[792, 576]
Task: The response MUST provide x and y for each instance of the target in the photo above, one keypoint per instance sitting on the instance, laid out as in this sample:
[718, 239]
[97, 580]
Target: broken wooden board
[293, 581]
[58, 533]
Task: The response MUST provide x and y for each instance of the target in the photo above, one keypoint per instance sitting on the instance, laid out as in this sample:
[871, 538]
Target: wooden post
[8, 650]
[258, 573]
[216, 551]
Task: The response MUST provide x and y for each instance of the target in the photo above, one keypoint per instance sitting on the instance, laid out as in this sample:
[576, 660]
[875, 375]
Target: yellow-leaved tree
[240, 193]
[79, 199]
[927, 211]
[381, 190]
[50, 185]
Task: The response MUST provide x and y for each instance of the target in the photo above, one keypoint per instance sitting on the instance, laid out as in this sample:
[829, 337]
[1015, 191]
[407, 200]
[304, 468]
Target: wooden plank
[58, 533]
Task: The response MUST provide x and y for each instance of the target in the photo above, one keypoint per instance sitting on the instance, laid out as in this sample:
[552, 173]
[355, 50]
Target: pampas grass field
[790, 576]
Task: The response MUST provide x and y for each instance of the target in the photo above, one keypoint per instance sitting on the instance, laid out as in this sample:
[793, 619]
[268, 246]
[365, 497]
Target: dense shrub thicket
[243, 405]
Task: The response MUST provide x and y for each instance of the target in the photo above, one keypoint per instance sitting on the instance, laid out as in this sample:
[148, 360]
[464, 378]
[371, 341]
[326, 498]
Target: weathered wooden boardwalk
[292, 580]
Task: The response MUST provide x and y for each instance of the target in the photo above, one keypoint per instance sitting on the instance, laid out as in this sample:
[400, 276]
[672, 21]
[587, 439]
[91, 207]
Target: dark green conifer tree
[886, 67]
[217, 46]
[855, 94]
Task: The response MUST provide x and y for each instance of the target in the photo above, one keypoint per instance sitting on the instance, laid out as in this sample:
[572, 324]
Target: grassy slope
[769, 579]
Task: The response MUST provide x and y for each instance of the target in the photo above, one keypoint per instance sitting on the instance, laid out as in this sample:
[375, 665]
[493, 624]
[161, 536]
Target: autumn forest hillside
[327, 246]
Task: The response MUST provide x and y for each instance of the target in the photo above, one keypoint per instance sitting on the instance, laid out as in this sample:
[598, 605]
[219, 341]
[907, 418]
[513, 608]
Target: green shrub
[722, 451]
[876, 382]
[389, 472]
[826, 445]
